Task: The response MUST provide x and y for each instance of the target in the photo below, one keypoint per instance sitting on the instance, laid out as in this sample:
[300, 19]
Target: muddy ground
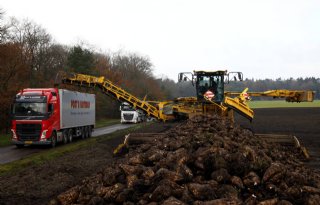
[38, 184]
[205, 161]
[303, 123]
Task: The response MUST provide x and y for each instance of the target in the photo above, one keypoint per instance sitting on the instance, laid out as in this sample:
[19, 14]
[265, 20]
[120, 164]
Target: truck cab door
[50, 109]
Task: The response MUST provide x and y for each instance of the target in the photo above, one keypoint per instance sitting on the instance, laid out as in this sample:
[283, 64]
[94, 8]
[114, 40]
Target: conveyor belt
[111, 89]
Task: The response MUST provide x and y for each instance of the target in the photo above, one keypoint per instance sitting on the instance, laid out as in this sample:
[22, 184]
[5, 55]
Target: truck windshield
[33, 109]
[127, 108]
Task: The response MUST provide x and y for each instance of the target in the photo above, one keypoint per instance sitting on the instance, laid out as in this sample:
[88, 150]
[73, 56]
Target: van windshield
[29, 108]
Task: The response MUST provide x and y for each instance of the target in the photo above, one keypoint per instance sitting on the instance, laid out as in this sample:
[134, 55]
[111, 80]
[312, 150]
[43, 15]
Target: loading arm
[107, 87]
[289, 95]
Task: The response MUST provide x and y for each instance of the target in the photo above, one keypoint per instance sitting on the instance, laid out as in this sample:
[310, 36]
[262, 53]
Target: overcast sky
[263, 39]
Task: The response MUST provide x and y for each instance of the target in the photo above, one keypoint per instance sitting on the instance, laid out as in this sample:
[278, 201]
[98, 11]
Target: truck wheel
[83, 132]
[70, 137]
[89, 131]
[86, 132]
[19, 146]
[53, 140]
[65, 137]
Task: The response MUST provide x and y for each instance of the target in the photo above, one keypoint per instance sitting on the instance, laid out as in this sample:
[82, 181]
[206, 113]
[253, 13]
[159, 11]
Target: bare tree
[35, 44]
[54, 60]
[3, 27]
[13, 72]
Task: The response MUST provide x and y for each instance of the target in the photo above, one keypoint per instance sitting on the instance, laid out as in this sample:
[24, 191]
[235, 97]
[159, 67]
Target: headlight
[14, 136]
[44, 133]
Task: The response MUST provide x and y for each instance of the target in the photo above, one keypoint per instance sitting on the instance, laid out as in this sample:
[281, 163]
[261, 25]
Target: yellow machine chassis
[185, 106]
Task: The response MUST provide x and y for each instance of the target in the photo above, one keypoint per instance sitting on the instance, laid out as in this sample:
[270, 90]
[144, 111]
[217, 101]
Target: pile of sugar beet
[206, 160]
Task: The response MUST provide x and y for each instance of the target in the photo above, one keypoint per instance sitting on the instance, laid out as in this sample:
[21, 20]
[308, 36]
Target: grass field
[5, 139]
[106, 122]
[50, 154]
[282, 103]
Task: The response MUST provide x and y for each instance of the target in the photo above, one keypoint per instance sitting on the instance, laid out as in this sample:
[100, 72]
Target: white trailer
[77, 109]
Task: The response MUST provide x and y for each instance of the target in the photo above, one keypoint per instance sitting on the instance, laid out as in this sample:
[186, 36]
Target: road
[110, 129]
[11, 153]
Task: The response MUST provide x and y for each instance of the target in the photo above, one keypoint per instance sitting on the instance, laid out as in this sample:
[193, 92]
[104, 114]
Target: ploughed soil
[206, 160]
[304, 123]
[38, 184]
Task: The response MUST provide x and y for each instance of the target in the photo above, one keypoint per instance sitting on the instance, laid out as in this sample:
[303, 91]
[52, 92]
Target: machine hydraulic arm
[289, 95]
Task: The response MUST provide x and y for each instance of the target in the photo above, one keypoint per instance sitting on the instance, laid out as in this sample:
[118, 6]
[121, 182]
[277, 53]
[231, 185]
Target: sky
[261, 38]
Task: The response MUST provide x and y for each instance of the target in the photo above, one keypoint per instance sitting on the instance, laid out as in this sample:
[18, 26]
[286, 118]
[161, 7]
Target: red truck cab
[36, 117]
[45, 116]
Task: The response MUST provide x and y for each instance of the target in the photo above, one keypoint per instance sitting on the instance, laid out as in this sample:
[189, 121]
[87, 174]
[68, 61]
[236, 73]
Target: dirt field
[39, 184]
[304, 123]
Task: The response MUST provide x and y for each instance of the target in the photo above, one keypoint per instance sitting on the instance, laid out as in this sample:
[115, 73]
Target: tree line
[30, 57]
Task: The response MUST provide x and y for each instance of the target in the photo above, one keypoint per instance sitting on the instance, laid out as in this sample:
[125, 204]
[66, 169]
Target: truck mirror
[234, 76]
[185, 77]
[180, 77]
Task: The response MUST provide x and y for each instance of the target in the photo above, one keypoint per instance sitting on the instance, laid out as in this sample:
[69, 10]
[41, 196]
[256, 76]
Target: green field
[106, 122]
[5, 139]
[282, 103]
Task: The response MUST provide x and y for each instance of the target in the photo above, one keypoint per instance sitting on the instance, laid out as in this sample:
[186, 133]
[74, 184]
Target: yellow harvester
[211, 97]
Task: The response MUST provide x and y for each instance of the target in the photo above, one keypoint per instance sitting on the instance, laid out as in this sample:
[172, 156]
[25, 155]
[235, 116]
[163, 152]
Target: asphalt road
[11, 153]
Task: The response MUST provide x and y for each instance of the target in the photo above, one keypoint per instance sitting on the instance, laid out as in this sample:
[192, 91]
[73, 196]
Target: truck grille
[128, 116]
[29, 132]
